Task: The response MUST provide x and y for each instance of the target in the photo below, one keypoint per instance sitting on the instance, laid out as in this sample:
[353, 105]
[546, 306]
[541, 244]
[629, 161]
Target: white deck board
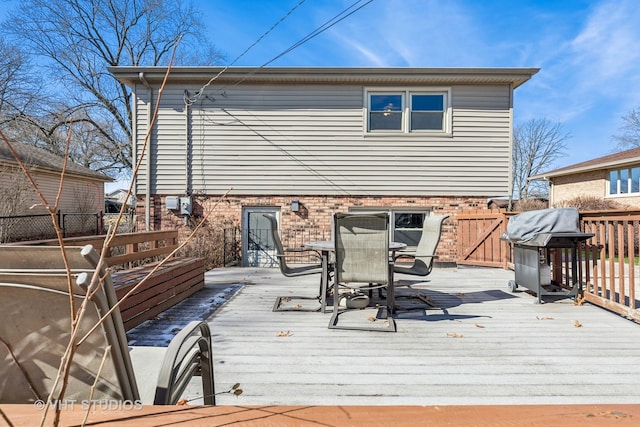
[483, 346]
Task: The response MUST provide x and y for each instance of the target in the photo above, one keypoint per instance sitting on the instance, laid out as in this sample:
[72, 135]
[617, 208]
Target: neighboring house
[82, 190]
[615, 177]
[119, 196]
[303, 143]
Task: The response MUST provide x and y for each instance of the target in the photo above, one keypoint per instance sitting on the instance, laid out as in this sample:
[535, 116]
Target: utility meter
[172, 203]
[185, 205]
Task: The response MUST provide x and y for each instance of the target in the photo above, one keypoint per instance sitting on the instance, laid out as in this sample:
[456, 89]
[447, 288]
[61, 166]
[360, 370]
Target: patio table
[325, 247]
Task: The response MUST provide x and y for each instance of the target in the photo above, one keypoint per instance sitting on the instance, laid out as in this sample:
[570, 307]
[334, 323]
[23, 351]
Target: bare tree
[537, 144]
[76, 40]
[19, 87]
[630, 136]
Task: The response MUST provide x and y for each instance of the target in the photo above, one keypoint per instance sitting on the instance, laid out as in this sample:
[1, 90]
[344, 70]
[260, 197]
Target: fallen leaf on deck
[371, 319]
[284, 334]
[544, 318]
[577, 324]
[454, 335]
[182, 402]
[479, 326]
[298, 306]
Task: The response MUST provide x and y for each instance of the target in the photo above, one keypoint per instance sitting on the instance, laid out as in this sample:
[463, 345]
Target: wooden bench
[131, 258]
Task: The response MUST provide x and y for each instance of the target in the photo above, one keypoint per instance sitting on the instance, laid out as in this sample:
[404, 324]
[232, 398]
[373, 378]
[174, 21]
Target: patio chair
[299, 269]
[420, 261]
[35, 331]
[361, 264]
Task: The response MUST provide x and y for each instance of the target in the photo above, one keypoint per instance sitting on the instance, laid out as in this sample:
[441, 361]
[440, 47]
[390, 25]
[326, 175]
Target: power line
[350, 10]
[199, 93]
[330, 23]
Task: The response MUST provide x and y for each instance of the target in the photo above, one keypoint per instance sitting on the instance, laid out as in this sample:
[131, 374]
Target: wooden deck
[484, 346]
[313, 416]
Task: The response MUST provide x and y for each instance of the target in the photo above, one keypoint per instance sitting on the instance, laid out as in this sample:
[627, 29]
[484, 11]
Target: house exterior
[303, 143]
[615, 177]
[82, 190]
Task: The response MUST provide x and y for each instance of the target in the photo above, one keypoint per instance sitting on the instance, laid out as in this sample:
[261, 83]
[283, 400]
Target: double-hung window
[624, 181]
[408, 111]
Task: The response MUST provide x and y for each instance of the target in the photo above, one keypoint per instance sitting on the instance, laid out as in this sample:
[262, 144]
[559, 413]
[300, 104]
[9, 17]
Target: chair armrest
[413, 255]
[299, 253]
[189, 354]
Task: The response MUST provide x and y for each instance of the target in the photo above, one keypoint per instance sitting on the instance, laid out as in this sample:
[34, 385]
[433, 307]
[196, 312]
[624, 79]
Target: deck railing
[610, 261]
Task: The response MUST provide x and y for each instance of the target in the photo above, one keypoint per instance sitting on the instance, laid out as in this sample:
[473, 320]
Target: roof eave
[572, 171]
[371, 75]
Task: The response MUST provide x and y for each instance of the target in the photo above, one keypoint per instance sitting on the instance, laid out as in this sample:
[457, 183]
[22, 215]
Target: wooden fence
[608, 263]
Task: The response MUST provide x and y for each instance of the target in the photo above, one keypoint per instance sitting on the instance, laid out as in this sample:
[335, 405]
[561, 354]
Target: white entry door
[258, 249]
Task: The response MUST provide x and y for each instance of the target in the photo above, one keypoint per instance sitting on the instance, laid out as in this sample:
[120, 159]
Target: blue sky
[588, 52]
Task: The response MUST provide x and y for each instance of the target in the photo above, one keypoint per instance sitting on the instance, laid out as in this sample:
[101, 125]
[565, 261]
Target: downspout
[187, 148]
[510, 190]
[187, 151]
[147, 195]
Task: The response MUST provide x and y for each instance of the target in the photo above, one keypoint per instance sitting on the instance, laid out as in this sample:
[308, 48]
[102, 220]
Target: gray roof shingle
[40, 158]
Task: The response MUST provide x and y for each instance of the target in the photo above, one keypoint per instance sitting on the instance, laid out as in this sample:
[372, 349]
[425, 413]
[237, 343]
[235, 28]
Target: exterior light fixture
[295, 205]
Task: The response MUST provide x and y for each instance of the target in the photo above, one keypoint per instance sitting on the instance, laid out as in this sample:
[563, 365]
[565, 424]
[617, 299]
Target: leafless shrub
[529, 205]
[14, 195]
[588, 203]
[212, 243]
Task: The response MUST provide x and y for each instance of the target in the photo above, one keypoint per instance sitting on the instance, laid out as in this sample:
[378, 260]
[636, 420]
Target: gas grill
[533, 234]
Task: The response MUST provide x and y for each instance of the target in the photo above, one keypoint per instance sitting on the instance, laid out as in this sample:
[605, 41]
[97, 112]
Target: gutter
[147, 195]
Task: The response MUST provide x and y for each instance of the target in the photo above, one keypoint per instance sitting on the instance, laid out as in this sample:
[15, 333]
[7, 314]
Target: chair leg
[280, 300]
[337, 311]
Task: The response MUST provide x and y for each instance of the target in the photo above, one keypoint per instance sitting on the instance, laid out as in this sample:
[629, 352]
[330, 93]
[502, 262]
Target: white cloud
[414, 33]
[607, 50]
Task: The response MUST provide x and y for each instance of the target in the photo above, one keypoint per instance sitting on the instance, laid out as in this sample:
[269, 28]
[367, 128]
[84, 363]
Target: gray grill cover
[527, 225]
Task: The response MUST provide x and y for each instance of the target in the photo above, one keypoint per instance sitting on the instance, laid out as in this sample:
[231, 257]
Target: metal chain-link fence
[19, 228]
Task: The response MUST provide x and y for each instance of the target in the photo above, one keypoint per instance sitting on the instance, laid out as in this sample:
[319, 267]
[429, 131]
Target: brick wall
[313, 220]
[588, 184]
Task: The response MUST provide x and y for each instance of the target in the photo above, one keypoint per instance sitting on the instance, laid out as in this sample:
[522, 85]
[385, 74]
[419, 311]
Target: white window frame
[405, 94]
[618, 171]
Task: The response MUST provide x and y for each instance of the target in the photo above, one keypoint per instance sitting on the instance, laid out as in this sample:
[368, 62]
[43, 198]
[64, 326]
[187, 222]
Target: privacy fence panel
[479, 241]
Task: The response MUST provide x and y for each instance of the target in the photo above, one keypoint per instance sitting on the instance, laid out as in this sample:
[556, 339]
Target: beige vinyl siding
[78, 194]
[141, 109]
[310, 139]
